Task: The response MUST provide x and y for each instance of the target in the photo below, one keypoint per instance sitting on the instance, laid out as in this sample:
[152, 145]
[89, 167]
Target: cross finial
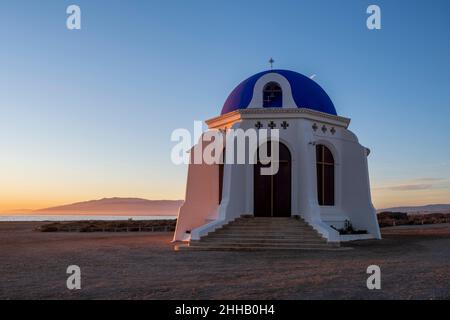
[271, 61]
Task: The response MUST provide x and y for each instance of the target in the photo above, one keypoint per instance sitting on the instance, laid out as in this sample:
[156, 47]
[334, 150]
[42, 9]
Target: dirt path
[415, 264]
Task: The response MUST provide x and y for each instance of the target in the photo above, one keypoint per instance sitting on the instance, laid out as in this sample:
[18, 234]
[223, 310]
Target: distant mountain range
[144, 207]
[112, 206]
[431, 208]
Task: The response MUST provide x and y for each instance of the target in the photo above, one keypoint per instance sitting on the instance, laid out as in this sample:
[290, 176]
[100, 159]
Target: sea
[32, 218]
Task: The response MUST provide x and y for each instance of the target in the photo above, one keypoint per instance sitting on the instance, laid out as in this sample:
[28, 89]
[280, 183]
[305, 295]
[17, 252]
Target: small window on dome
[272, 95]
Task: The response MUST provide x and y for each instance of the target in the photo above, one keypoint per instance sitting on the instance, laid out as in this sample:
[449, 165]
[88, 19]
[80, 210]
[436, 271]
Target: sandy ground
[415, 264]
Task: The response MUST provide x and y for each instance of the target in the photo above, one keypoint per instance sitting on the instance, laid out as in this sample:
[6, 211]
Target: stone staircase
[251, 233]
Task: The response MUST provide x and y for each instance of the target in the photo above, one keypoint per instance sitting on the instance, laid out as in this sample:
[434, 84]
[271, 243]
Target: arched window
[325, 176]
[272, 95]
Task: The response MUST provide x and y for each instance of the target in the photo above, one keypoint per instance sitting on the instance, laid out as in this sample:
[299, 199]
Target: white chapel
[320, 195]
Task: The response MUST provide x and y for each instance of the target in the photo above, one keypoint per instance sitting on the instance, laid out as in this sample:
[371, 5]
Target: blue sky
[88, 114]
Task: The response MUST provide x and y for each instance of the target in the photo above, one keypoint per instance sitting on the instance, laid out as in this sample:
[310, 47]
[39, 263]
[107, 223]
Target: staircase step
[272, 235]
[256, 240]
[249, 244]
[259, 246]
[180, 247]
[271, 225]
[260, 242]
[284, 223]
[265, 233]
[266, 228]
[294, 231]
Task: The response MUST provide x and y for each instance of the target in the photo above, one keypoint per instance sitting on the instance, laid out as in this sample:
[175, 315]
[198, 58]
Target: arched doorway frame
[281, 187]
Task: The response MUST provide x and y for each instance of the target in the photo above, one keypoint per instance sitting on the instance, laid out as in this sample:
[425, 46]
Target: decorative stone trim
[259, 113]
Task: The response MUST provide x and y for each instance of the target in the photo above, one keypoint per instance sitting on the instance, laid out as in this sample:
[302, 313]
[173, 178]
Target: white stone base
[355, 237]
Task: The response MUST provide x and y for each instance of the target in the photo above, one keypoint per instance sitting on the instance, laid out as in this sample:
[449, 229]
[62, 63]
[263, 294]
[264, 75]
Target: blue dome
[305, 92]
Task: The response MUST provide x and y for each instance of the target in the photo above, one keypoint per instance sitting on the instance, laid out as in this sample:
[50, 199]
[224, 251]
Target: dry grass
[392, 219]
[110, 226]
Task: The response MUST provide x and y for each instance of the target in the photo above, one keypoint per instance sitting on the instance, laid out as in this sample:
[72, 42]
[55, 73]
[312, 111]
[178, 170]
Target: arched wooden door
[272, 193]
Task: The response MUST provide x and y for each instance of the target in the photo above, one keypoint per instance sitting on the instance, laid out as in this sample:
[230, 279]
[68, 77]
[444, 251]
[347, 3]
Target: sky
[87, 114]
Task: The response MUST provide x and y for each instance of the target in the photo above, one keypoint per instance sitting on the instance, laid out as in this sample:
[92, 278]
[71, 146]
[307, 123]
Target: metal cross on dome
[271, 61]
